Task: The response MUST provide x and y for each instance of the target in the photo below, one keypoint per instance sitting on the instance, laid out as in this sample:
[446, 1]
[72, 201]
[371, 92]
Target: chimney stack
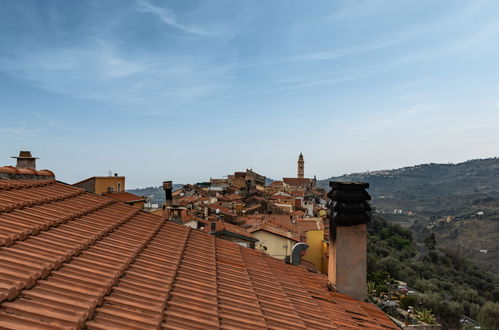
[348, 218]
[168, 187]
[25, 160]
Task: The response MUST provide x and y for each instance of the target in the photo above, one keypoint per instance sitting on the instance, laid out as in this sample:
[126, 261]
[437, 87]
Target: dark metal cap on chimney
[348, 206]
[25, 160]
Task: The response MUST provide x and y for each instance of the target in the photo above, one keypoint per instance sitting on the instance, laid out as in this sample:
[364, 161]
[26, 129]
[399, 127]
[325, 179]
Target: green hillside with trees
[445, 284]
[459, 203]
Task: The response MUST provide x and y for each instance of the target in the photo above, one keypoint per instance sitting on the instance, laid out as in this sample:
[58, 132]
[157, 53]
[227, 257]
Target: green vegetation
[426, 316]
[445, 284]
[459, 203]
[489, 316]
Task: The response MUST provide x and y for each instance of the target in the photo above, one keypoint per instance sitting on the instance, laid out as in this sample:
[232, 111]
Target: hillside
[458, 202]
[446, 284]
[157, 194]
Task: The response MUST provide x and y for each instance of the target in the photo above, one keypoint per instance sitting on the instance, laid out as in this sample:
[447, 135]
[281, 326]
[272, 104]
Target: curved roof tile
[71, 259]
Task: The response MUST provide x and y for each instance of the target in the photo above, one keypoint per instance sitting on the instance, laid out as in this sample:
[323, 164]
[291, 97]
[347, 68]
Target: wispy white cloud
[168, 17]
[22, 130]
[332, 78]
[341, 52]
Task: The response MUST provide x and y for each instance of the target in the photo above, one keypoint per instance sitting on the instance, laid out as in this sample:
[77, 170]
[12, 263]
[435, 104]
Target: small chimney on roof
[25, 160]
[213, 224]
[168, 188]
[213, 228]
[348, 218]
[176, 214]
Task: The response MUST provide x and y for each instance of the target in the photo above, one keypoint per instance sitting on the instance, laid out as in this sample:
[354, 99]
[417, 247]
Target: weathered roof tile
[71, 259]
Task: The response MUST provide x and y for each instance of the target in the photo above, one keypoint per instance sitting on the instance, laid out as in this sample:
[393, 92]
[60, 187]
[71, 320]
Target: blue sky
[186, 90]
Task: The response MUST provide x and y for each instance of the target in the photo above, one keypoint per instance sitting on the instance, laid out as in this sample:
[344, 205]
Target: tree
[489, 316]
[425, 316]
[430, 242]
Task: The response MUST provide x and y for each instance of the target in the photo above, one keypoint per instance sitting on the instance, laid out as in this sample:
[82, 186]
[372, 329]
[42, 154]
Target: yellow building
[317, 250]
[274, 241]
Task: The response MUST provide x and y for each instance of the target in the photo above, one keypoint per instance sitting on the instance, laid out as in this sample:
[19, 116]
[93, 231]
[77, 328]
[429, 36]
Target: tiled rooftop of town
[72, 259]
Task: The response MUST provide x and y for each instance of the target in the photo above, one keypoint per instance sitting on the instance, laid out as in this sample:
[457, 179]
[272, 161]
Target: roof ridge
[13, 200]
[24, 184]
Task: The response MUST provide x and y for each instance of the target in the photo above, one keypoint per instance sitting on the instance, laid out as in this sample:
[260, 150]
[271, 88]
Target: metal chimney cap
[24, 154]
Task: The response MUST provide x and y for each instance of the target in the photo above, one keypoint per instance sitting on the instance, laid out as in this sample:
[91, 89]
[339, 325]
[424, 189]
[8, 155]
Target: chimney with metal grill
[348, 218]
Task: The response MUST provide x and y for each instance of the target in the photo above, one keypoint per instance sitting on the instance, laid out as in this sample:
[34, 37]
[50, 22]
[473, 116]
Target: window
[119, 186]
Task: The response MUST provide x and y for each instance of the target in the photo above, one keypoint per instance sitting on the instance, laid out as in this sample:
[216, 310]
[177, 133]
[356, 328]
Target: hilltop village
[243, 208]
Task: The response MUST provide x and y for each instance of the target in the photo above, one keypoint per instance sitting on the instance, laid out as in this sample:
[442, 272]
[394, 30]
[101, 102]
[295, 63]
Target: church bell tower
[301, 166]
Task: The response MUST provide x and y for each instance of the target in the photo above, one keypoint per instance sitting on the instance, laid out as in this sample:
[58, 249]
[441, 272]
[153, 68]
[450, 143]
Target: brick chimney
[168, 188]
[25, 160]
[348, 218]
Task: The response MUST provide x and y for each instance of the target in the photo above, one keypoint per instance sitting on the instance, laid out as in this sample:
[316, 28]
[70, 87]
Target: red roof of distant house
[72, 259]
[298, 213]
[230, 198]
[125, 197]
[275, 229]
[307, 225]
[191, 200]
[222, 226]
[222, 209]
[282, 198]
[297, 181]
[297, 193]
[276, 184]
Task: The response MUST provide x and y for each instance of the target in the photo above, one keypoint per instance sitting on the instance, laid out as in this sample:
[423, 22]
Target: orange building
[111, 186]
[103, 184]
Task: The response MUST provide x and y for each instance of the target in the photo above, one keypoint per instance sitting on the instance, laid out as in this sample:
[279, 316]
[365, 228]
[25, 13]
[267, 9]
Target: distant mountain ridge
[157, 194]
[458, 202]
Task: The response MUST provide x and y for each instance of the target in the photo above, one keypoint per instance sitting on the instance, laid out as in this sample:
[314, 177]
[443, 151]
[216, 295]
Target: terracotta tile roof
[297, 193]
[222, 226]
[125, 197]
[296, 181]
[12, 172]
[222, 209]
[276, 184]
[191, 199]
[231, 197]
[71, 259]
[274, 228]
[307, 225]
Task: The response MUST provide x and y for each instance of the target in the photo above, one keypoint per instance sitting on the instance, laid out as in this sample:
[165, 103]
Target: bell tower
[301, 166]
